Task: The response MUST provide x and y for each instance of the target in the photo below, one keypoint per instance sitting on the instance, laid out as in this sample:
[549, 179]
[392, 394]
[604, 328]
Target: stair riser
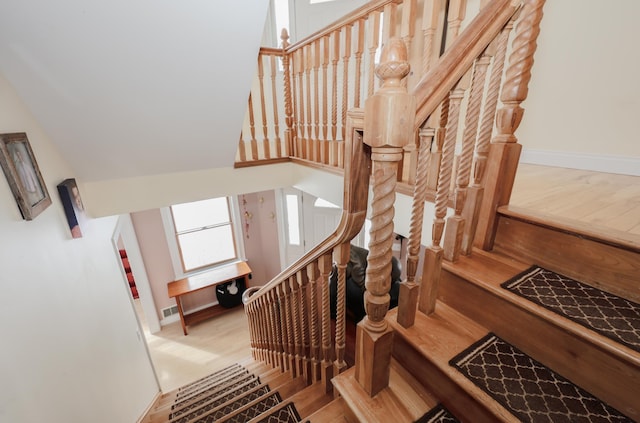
[455, 398]
[606, 376]
[599, 264]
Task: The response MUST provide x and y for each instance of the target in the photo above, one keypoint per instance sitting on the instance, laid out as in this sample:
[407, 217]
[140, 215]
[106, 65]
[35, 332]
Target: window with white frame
[204, 233]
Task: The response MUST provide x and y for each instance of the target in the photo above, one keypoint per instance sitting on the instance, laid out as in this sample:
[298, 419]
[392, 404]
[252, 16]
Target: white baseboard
[624, 165]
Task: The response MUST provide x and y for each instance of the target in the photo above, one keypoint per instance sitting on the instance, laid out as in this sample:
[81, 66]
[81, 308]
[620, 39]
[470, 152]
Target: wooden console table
[201, 281]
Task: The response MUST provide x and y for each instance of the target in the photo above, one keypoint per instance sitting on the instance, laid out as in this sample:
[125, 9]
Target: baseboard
[144, 418]
[624, 165]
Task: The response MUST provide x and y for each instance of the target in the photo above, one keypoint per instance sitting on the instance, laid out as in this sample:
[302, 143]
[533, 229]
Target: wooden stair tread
[438, 338]
[488, 271]
[404, 400]
[607, 369]
[310, 399]
[606, 235]
[333, 412]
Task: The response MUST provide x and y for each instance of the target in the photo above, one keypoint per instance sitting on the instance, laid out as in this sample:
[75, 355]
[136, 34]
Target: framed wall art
[73, 207]
[21, 169]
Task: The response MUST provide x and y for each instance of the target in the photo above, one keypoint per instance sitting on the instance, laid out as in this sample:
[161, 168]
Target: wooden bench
[203, 280]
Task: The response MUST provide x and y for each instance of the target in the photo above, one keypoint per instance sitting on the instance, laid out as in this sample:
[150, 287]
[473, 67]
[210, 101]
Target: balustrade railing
[445, 157]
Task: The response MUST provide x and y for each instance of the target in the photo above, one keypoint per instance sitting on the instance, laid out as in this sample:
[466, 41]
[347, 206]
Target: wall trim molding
[624, 165]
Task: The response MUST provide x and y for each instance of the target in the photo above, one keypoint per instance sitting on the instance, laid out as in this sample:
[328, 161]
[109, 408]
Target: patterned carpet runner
[529, 390]
[438, 414]
[607, 314]
[232, 393]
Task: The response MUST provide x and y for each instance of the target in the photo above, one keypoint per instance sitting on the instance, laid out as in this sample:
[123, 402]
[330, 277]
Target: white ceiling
[134, 87]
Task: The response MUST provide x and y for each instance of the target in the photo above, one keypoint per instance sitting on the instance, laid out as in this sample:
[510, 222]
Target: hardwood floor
[605, 200]
[210, 345]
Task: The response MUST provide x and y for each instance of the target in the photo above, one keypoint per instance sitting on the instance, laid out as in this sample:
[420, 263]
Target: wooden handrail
[456, 61]
[356, 180]
[361, 12]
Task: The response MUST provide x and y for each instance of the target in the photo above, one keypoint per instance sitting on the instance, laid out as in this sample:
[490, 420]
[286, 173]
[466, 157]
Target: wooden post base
[407, 303]
[453, 237]
[373, 358]
[470, 216]
[430, 279]
[326, 371]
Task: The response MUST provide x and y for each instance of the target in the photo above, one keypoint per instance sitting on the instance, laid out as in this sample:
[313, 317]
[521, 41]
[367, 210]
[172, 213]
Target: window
[204, 233]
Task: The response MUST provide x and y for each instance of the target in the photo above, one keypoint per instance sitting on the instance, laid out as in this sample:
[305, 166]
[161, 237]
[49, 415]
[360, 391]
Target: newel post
[388, 128]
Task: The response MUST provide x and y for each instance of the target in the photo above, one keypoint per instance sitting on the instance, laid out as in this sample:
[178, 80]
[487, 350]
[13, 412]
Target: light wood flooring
[211, 345]
[603, 200]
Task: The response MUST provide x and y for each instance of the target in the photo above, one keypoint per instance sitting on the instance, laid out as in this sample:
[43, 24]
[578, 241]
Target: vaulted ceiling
[134, 87]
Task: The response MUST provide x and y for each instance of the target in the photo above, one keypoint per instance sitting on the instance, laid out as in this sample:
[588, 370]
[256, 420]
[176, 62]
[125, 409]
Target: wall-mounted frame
[72, 204]
[21, 169]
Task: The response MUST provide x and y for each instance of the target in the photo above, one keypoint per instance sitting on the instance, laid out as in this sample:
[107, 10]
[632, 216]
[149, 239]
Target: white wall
[584, 96]
[308, 18]
[70, 351]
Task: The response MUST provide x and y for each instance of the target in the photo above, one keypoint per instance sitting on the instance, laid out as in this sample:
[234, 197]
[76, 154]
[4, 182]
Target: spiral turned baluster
[388, 127]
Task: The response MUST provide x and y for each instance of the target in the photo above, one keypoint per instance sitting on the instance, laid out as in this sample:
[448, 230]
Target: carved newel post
[388, 127]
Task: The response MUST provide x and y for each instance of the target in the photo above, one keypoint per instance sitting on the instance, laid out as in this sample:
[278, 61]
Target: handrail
[353, 215]
[456, 61]
[349, 19]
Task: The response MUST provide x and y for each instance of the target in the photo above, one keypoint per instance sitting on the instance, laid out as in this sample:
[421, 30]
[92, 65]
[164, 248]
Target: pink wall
[260, 235]
[261, 248]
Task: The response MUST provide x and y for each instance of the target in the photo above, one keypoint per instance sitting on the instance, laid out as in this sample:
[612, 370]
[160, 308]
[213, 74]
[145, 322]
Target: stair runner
[438, 414]
[610, 315]
[528, 389]
[220, 395]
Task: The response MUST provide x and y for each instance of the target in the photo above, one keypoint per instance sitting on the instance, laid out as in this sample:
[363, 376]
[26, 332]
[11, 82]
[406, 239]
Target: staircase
[460, 346]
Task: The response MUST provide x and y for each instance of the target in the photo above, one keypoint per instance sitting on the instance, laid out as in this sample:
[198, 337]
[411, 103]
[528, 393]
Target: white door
[305, 221]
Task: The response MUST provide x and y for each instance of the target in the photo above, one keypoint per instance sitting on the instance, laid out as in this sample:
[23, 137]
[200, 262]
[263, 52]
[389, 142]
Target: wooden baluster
[242, 154]
[504, 152]
[263, 109]
[268, 342]
[358, 55]
[252, 336]
[290, 334]
[301, 115]
[254, 142]
[373, 42]
[433, 255]
[342, 258]
[476, 190]
[275, 312]
[316, 100]
[288, 96]
[261, 337]
[455, 224]
[408, 296]
[273, 344]
[306, 52]
[303, 284]
[313, 275]
[430, 33]
[389, 27]
[335, 58]
[326, 367]
[297, 323]
[274, 97]
[435, 156]
[387, 128]
[264, 319]
[325, 99]
[408, 27]
[284, 328]
[456, 14]
[346, 55]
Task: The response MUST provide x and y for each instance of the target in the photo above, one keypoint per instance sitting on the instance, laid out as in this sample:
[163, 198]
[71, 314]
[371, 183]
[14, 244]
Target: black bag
[229, 294]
